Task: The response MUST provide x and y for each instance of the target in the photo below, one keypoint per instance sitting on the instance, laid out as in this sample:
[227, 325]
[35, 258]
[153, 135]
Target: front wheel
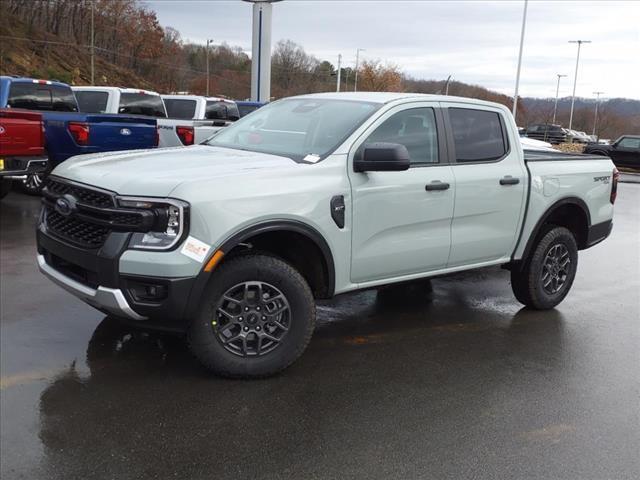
[256, 318]
[549, 272]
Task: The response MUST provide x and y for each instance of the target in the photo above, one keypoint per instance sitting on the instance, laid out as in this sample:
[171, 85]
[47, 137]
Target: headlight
[170, 224]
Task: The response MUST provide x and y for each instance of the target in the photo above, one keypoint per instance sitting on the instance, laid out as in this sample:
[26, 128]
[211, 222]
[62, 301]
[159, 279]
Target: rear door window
[478, 135]
[92, 102]
[180, 108]
[40, 96]
[141, 104]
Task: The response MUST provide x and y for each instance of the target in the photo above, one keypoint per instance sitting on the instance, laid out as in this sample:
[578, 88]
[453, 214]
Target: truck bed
[547, 156]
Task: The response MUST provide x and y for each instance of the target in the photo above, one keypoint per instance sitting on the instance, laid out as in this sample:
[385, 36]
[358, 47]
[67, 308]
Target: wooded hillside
[52, 39]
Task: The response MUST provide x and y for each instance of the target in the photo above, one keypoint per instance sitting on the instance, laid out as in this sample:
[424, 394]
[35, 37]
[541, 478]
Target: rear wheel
[5, 187]
[549, 272]
[256, 318]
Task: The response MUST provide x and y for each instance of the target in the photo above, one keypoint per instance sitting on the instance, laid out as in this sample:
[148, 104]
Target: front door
[399, 227]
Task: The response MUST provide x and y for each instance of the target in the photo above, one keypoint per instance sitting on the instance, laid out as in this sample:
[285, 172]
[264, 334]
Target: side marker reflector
[213, 261]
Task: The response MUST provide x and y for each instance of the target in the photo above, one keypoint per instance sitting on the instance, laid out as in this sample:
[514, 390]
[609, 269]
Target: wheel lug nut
[258, 327]
[246, 329]
[258, 308]
[246, 309]
[264, 318]
[240, 319]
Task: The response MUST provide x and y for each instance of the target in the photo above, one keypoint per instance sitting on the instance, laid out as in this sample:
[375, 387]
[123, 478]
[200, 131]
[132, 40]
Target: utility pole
[555, 106]
[355, 83]
[524, 23]
[92, 45]
[595, 119]
[339, 70]
[575, 78]
[446, 88]
[208, 42]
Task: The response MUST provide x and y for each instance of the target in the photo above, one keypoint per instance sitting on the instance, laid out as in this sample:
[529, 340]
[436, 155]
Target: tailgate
[21, 133]
[121, 132]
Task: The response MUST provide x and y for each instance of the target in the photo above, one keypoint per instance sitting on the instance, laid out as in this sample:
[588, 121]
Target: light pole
[261, 50]
[575, 79]
[208, 42]
[338, 75]
[595, 119]
[355, 82]
[446, 88]
[555, 105]
[524, 23]
[93, 50]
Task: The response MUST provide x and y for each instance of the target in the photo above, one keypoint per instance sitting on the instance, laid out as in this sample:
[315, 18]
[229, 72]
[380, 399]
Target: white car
[233, 240]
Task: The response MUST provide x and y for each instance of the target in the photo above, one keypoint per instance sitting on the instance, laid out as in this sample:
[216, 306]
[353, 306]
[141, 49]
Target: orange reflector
[213, 261]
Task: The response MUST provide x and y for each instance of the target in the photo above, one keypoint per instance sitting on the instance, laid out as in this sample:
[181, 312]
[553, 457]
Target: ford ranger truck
[232, 241]
[69, 132]
[182, 119]
[22, 147]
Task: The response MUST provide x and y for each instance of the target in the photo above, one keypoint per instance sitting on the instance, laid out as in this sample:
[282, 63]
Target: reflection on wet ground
[441, 379]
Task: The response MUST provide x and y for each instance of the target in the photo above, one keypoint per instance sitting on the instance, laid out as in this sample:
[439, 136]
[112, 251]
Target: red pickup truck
[22, 146]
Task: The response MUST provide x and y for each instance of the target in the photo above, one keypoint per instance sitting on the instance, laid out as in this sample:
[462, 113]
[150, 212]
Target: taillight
[185, 134]
[80, 132]
[614, 185]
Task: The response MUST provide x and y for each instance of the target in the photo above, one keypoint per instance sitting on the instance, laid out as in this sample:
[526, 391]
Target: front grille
[87, 196]
[85, 234]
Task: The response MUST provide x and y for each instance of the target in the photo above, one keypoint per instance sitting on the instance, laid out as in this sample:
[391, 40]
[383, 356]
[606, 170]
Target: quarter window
[477, 134]
[92, 102]
[415, 129]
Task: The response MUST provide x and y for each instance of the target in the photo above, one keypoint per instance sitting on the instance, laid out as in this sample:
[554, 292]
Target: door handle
[436, 185]
[509, 180]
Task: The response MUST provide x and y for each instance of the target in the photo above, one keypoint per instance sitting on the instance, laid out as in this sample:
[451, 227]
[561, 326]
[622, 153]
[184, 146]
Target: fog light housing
[148, 292]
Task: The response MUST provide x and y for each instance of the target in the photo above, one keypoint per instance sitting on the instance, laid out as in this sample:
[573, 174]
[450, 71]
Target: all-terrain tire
[206, 335]
[528, 283]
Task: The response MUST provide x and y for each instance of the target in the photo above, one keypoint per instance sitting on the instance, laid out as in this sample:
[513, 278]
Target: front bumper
[21, 166]
[94, 277]
[111, 300]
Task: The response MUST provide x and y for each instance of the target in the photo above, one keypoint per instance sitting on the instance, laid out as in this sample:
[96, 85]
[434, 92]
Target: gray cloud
[476, 42]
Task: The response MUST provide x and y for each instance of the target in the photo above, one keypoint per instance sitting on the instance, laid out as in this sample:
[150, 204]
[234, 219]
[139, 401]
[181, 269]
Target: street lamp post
[575, 79]
[355, 82]
[524, 23]
[446, 87]
[555, 106]
[339, 72]
[595, 118]
[209, 41]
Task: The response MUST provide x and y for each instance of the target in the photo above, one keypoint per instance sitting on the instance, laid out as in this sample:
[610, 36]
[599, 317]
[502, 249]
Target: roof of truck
[386, 97]
[99, 88]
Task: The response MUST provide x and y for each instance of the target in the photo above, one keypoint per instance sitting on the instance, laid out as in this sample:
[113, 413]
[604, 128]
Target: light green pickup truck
[231, 241]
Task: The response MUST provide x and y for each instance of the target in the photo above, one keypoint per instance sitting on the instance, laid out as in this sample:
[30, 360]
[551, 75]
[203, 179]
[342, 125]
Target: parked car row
[79, 120]
[557, 134]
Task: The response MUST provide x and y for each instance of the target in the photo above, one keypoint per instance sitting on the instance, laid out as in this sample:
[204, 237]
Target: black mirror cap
[382, 157]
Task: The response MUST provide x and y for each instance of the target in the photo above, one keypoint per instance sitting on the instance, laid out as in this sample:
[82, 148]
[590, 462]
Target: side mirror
[382, 157]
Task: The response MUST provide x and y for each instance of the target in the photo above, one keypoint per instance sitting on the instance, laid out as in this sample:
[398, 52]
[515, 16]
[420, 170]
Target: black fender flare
[267, 226]
[541, 221]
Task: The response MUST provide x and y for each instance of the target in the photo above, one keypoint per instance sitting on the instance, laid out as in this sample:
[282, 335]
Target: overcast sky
[474, 41]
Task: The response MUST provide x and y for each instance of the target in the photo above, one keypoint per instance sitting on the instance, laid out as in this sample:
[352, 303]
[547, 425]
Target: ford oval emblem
[125, 131]
[65, 205]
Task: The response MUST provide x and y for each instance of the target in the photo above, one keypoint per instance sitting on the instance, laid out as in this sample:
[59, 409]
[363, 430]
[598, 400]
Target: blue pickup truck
[69, 132]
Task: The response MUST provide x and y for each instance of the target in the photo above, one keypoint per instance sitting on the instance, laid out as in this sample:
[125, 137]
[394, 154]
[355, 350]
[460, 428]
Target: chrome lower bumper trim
[102, 298]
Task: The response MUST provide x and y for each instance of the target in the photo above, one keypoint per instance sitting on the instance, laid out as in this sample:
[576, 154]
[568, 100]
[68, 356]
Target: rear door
[627, 152]
[490, 179]
[399, 227]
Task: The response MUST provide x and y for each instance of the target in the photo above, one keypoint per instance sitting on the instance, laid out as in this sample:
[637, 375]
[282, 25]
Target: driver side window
[415, 129]
[630, 143]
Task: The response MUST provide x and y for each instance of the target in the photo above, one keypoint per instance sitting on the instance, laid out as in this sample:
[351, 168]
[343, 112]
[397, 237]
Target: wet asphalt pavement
[458, 383]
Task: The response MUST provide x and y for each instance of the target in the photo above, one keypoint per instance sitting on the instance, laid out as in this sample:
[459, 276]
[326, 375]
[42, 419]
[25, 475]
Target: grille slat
[86, 234]
[84, 195]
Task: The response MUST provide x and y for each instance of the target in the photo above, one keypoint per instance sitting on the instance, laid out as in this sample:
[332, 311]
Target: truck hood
[159, 171]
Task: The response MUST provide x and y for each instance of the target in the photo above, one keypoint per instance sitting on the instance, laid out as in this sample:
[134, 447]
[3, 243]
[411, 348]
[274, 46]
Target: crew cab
[22, 149]
[232, 241]
[625, 151]
[68, 132]
[176, 127]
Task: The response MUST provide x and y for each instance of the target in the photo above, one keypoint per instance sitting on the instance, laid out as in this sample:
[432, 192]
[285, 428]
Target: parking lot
[457, 383]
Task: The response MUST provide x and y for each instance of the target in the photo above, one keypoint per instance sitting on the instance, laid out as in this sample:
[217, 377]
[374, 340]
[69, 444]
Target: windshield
[142, 104]
[298, 128]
